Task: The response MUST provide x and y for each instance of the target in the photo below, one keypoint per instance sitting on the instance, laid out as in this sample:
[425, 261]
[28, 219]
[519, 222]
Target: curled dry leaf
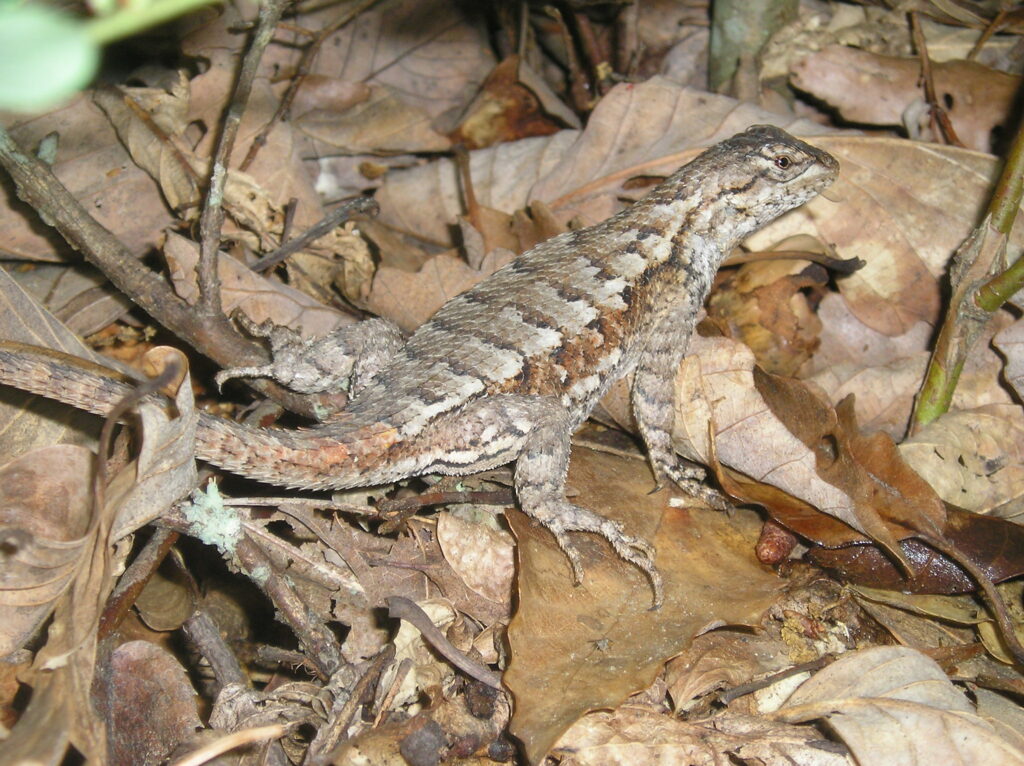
[44, 515]
[721, 659]
[811, 451]
[764, 305]
[973, 458]
[165, 469]
[895, 706]
[994, 546]
[508, 108]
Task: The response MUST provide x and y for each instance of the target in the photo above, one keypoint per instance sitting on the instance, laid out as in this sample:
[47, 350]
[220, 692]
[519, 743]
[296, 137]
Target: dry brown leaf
[159, 155]
[763, 305]
[383, 123]
[810, 451]
[507, 109]
[409, 299]
[99, 173]
[637, 737]
[480, 554]
[426, 52]
[588, 647]
[28, 421]
[880, 90]
[721, 659]
[148, 703]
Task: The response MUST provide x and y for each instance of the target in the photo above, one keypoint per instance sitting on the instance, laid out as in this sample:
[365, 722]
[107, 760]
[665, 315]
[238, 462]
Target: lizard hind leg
[540, 486]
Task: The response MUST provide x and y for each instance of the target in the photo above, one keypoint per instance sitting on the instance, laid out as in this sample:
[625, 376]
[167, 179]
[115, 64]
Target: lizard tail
[335, 456]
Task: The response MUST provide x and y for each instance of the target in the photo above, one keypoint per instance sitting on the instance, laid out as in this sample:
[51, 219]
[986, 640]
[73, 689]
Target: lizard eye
[784, 161]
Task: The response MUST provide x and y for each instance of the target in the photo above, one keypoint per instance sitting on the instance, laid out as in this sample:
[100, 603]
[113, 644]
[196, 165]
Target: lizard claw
[633, 550]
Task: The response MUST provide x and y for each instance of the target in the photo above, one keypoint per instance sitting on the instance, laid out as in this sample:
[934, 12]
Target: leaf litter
[798, 394]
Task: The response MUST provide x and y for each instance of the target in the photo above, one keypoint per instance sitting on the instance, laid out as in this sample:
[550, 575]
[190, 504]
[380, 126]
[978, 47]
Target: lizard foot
[634, 550]
[690, 479]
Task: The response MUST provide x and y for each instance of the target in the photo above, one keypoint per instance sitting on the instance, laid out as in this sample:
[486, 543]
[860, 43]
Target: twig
[330, 735]
[134, 579]
[204, 634]
[975, 294]
[937, 113]
[991, 29]
[229, 742]
[316, 639]
[402, 608]
[357, 206]
[212, 218]
[735, 692]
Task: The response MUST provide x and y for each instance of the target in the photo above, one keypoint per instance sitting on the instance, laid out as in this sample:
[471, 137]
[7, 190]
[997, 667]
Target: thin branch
[357, 206]
[976, 292]
[212, 218]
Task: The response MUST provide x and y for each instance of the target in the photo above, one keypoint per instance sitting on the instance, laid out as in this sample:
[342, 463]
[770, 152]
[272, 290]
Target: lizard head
[764, 172]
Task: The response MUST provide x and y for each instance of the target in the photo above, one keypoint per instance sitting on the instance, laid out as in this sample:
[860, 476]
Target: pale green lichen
[212, 522]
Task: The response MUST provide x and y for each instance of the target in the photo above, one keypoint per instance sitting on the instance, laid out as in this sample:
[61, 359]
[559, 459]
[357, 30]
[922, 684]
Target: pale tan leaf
[893, 705]
[637, 737]
[885, 732]
[893, 672]
[715, 385]
[973, 458]
[480, 554]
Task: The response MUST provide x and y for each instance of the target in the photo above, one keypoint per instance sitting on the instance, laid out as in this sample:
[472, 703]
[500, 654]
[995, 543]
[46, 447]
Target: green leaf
[45, 57]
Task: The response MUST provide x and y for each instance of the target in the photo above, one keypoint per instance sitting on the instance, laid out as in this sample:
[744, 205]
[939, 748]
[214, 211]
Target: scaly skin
[507, 370]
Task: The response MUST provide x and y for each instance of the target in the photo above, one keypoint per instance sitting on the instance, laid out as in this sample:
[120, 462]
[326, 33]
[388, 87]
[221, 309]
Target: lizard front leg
[653, 397]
